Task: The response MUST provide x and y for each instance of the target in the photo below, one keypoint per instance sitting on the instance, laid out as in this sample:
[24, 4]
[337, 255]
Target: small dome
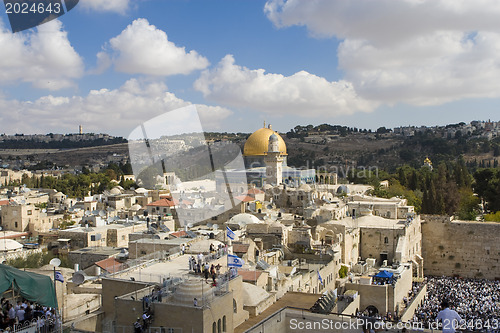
[268, 187]
[115, 191]
[244, 219]
[343, 189]
[253, 295]
[305, 188]
[273, 138]
[141, 190]
[135, 207]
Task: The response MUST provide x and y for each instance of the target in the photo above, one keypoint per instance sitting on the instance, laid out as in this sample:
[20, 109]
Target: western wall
[460, 248]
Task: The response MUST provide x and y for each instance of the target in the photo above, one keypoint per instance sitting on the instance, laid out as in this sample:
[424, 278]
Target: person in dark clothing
[206, 272]
[138, 325]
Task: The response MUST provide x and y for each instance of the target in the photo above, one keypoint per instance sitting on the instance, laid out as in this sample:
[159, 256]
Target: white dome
[115, 191]
[305, 188]
[10, 245]
[135, 207]
[141, 190]
[244, 219]
[253, 295]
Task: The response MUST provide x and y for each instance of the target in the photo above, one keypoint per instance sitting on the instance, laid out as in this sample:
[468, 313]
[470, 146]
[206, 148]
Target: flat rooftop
[173, 241]
[98, 229]
[109, 251]
[371, 221]
[176, 267]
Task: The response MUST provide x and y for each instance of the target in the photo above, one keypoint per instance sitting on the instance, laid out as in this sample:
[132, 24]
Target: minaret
[274, 162]
[80, 129]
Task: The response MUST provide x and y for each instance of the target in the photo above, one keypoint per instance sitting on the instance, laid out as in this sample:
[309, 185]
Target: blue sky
[113, 65]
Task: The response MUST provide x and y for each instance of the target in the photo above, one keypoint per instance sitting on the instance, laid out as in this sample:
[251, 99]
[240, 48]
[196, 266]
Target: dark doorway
[383, 256]
[372, 311]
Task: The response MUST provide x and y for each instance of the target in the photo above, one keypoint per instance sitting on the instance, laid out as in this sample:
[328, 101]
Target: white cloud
[109, 111]
[422, 52]
[45, 58]
[302, 93]
[117, 6]
[142, 48]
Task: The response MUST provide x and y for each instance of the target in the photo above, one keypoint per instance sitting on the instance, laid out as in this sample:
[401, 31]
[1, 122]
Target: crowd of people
[206, 270]
[24, 312]
[415, 289]
[475, 300]
[200, 263]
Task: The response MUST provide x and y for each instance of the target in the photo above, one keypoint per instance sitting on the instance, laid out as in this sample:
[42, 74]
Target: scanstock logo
[205, 177]
[26, 14]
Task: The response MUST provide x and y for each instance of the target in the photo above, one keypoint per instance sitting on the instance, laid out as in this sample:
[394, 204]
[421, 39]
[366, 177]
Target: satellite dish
[269, 206]
[110, 219]
[79, 277]
[95, 212]
[215, 227]
[44, 210]
[55, 262]
[136, 218]
[102, 213]
[87, 213]
[209, 225]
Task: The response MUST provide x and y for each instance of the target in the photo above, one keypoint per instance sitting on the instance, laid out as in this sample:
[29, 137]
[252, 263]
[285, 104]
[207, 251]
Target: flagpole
[55, 288]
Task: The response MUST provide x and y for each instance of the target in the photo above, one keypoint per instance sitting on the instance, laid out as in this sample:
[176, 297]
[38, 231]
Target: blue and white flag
[230, 233]
[234, 261]
[59, 277]
[320, 279]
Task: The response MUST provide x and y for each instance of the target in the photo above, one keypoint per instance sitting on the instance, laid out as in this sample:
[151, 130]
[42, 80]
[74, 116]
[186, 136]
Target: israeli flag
[320, 279]
[234, 261]
[59, 277]
[230, 233]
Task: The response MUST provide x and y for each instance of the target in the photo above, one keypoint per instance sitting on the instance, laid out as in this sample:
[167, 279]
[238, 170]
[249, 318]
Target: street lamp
[55, 262]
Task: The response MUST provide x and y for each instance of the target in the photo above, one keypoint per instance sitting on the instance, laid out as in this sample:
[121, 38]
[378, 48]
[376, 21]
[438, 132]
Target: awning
[32, 286]
[384, 275]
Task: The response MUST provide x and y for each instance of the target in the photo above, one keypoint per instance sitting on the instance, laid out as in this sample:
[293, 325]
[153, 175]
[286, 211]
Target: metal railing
[168, 293]
[130, 329]
[40, 325]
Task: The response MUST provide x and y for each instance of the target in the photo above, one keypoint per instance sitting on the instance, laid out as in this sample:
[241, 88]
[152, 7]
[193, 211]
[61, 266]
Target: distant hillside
[64, 142]
[340, 146]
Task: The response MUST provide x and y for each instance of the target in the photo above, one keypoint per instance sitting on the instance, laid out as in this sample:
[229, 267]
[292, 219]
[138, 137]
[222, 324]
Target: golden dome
[257, 143]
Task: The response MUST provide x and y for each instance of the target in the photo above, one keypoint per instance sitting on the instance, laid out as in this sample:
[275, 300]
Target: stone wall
[415, 303]
[469, 249]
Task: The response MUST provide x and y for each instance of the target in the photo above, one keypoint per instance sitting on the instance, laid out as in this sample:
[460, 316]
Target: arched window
[386, 240]
[214, 327]
[235, 306]
[224, 324]
[219, 326]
